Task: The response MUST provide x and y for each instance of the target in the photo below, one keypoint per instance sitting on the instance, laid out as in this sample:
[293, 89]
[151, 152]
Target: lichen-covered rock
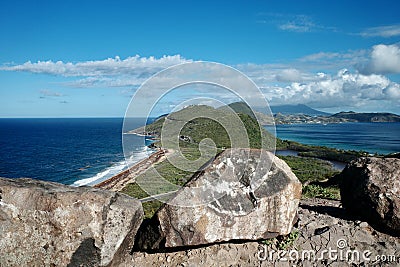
[370, 188]
[322, 226]
[242, 212]
[49, 224]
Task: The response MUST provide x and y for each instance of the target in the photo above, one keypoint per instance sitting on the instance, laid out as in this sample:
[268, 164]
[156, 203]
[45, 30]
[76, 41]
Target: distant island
[296, 114]
[368, 117]
[340, 117]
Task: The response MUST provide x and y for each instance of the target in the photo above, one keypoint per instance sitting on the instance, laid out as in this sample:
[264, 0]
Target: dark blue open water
[68, 151]
[86, 151]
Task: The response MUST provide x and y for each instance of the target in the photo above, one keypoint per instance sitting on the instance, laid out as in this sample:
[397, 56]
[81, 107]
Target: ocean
[87, 151]
[69, 151]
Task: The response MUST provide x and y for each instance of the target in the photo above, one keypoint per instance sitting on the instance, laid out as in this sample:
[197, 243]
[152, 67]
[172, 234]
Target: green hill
[243, 108]
[239, 107]
[208, 123]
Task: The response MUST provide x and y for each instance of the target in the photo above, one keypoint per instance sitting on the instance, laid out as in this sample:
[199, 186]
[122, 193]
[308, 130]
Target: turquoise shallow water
[382, 138]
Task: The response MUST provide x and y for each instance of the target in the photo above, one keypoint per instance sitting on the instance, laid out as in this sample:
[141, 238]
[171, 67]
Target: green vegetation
[309, 169]
[136, 191]
[313, 190]
[282, 242]
[239, 107]
[169, 172]
[323, 152]
[155, 127]
[220, 125]
[287, 241]
[243, 108]
[314, 173]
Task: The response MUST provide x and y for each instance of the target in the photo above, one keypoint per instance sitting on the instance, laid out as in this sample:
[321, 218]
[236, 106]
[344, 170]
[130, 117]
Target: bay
[381, 138]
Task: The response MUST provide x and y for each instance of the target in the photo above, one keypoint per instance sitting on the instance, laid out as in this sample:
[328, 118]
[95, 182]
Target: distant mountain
[297, 109]
[368, 117]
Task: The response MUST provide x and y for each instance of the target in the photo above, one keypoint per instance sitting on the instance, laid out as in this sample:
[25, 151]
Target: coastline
[338, 157]
[120, 180]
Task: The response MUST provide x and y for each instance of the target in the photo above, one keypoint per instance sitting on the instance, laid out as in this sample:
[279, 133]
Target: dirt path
[119, 181]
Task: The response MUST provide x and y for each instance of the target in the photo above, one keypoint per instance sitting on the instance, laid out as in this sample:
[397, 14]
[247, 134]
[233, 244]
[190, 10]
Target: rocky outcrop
[326, 236]
[49, 224]
[251, 199]
[370, 188]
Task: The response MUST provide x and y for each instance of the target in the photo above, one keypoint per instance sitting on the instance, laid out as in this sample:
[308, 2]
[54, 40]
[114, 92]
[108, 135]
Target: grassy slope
[313, 174]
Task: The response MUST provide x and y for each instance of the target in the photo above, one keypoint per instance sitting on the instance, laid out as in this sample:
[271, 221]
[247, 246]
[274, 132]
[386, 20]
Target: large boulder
[49, 224]
[370, 188]
[256, 197]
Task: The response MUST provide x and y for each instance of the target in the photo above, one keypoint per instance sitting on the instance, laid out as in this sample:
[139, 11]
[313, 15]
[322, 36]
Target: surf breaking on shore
[119, 181]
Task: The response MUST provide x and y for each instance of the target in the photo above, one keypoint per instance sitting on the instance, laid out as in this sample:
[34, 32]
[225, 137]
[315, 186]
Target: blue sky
[87, 58]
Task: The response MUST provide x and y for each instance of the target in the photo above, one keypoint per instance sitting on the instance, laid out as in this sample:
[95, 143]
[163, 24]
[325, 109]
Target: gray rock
[313, 213]
[370, 188]
[49, 224]
[258, 202]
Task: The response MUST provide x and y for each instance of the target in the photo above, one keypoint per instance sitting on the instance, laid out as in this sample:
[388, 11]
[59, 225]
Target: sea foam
[115, 168]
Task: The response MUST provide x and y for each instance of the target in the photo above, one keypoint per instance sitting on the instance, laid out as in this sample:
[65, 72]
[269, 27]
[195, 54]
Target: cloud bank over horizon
[325, 80]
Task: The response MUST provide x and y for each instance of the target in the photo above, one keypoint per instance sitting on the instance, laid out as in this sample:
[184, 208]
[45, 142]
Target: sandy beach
[119, 181]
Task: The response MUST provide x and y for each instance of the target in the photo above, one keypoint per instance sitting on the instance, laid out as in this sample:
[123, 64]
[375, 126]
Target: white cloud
[46, 92]
[382, 31]
[333, 60]
[269, 73]
[393, 91]
[295, 27]
[289, 22]
[380, 59]
[313, 79]
[342, 89]
[321, 85]
[289, 75]
[298, 23]
[320, 56]
[383, 59]
[112, 66]
[111, 72]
